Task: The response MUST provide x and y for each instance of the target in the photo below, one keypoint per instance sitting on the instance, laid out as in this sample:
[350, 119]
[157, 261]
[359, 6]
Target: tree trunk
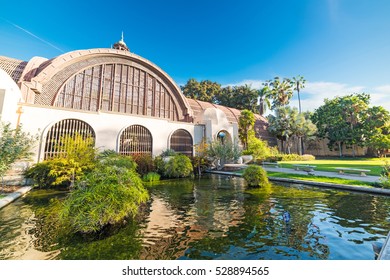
[340, 149]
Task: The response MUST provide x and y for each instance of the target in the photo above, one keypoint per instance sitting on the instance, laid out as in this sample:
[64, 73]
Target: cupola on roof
[121, 45]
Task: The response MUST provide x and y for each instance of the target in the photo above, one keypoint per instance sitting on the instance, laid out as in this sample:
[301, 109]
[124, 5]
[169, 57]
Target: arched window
[67, 127]
[135, 139]
[181, 142]
[117, 88]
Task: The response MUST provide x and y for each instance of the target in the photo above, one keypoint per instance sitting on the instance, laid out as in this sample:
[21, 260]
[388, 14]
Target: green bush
[385, 176]
[151, 177]
[296, 157]
[110, 157]
[256, 176]
[40, 174]
[179, 166]
[105, 196]
[168, 153]
[145, 163]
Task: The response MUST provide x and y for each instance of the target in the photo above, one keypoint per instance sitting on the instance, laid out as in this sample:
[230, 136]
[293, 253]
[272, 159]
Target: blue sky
[339, 46]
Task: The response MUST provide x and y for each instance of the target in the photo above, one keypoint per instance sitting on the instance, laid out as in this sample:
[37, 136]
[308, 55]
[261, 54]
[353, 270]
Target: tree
[288, 124]
[204, 91]
[15, 144]
[239, 97]
[264, 100]
[281, 91]
[281, 124]
[246, 122]
[299, 83]
[351, 121]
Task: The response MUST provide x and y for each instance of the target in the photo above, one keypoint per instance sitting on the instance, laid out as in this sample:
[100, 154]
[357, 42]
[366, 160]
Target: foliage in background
[281, 91]
[15, 144]
[240, 97]
[204, 91]
[223, 153]
[349, 120]
[255, 176]
[296, 157]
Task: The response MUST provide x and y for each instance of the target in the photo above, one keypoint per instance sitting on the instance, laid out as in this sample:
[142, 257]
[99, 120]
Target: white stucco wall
[10, 96]
[107, 126]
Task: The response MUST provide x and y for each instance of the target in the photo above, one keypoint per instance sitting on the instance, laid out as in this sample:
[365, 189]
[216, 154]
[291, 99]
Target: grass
[373, 164]
[323, 179]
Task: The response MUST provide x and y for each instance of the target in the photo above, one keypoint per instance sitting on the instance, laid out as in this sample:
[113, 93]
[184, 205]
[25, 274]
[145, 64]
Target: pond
[214, 217]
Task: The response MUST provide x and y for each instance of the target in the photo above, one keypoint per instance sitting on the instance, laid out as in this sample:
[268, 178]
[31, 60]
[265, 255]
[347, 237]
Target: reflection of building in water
[169, 231]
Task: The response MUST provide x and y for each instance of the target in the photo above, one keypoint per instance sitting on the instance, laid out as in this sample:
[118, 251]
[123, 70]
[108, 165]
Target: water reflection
[214, 218]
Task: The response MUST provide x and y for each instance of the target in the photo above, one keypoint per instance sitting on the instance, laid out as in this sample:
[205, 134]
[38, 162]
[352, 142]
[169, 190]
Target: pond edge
[13, 196]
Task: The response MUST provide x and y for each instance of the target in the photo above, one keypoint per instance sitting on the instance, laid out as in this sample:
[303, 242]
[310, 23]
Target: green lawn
[373, 164]
[339, 181]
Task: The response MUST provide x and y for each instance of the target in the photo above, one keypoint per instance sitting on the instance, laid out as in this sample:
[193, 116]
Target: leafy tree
[351, 121]
[281, 91]
[239, 97]
[204, 91]
[246, 122]
[15, 144]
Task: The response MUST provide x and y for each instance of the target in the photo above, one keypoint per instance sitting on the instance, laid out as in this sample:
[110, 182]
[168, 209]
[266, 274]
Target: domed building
[125, 102]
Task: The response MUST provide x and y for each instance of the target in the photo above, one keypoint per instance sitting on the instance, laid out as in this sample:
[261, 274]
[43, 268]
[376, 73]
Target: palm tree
[280, 90]
[264, 100]
[299, 83]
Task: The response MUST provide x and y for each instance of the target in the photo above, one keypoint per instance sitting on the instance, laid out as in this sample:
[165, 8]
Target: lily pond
[214, 217]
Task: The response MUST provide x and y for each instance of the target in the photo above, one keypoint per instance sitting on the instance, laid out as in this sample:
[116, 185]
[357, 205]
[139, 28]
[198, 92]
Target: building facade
[125, 102]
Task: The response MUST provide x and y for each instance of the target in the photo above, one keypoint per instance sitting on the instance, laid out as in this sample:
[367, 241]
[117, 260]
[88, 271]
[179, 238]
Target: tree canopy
[351, 121]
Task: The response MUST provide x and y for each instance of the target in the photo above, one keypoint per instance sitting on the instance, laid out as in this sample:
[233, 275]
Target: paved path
[326, 174]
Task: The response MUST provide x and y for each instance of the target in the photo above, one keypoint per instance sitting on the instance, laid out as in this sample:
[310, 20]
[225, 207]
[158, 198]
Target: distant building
[125, 102]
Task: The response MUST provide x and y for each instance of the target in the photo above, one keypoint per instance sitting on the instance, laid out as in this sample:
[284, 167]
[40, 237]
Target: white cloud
[314, 93]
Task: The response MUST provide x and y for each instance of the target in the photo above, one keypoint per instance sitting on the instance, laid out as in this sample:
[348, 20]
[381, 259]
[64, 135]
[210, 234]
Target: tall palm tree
[299, 83]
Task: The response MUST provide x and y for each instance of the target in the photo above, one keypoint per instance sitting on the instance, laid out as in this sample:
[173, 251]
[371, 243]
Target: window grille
[181, 142]
[117, 88]
[63, 128]
[135, 139]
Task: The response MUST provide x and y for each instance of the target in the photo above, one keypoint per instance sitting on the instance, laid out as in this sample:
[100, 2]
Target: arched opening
[224, 136]
[67, 127]
[181, 142]
[135, 139]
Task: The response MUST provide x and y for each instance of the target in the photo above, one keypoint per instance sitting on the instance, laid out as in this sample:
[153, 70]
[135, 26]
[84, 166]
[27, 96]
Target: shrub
[296, 157]
[385, 176]
[110, 157]
[256, 176]
[258, 148]
[106, 196]
[14, 145]
[77, 157]
[151, 177]
[168, 153]
[145, 163]
[223, 152]
[179, 166]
